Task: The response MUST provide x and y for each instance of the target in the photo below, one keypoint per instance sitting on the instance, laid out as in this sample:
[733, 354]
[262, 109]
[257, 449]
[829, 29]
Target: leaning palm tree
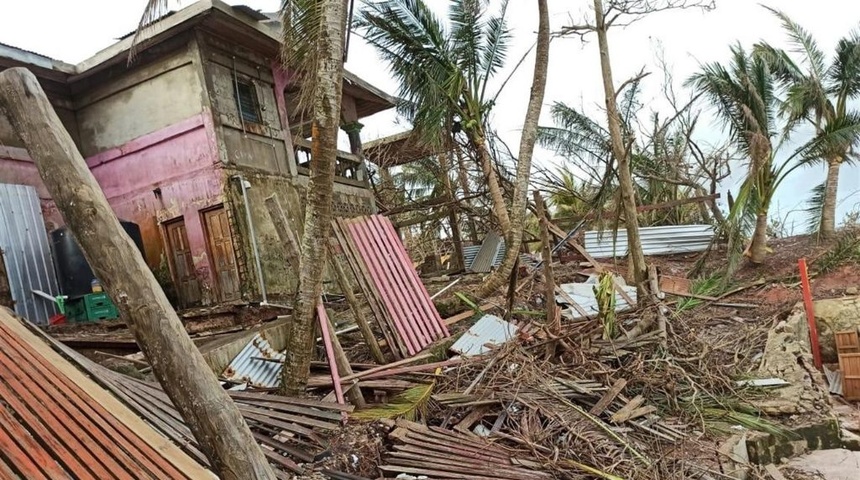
[444, 70]
[819, 94]
[743, 96]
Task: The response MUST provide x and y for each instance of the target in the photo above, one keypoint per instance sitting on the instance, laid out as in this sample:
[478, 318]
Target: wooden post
[180, 368]
[552, 314]
[291, 247]
[341, 362]
[810, 313]
[360, 319]
[282, 228]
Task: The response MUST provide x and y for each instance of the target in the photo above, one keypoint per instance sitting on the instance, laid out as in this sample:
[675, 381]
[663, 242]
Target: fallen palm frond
[410, 404]
[845, 249]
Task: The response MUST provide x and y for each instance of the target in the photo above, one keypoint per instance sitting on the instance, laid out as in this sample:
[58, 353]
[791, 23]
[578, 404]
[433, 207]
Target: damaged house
[189, 139]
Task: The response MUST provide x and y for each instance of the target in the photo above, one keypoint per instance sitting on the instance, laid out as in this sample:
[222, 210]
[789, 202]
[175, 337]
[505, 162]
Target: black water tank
[73, 271]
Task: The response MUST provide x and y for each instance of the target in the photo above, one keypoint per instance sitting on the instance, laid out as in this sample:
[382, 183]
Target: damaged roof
[225, 19]
[55, 423]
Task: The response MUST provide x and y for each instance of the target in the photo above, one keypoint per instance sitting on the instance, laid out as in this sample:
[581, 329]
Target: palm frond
[844, 73]
[302, 22]
[815, 208]
[410, 404]
[803, 44]
[152, 12]
[498, 38]
[414, 43]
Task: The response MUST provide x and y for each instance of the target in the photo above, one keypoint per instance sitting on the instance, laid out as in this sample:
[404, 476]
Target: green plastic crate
[91, 308]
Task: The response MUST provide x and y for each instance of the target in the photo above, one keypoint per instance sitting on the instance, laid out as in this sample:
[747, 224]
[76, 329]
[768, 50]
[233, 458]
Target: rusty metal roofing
[664, 240]
[290, 430]
[433, 452]
[398, 298]
[258, 364]
[52, 426]
[490, 330]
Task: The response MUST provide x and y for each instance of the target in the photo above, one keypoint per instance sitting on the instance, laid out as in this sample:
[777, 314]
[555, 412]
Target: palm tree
[743, 97]
[314, 43]
[444, 70]
[819, 93]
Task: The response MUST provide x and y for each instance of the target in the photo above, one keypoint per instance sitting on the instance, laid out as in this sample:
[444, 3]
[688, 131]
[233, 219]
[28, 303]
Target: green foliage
[711, 286]
[465, 299]
[815, 208]
[845, 249]
[411, 404]
[442, 68]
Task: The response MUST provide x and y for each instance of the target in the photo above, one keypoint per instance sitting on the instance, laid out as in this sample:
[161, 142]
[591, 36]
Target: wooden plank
[26, 455]
[305, 402]
[355, 307]
[386, 324]
[774, 472]
[608, 397]
[623, 414]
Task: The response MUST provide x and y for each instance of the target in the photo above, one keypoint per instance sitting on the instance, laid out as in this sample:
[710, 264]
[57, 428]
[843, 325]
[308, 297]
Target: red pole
[329, 352]
[810, 313]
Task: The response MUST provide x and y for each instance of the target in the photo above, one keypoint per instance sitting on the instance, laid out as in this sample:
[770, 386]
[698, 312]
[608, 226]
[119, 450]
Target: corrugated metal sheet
[291, 430]
[665, 240]
[27, 252]
[411, 315]
[469, 254]
[471, 251]
[250, 367]
[583, 295]
[488, 253]
[488, 330]
[54, 427]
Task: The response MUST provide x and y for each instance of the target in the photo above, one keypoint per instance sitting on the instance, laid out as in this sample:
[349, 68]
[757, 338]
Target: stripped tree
[607, 15]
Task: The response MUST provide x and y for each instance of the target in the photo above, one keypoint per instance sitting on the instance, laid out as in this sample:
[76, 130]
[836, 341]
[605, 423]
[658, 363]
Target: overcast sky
[73, 31]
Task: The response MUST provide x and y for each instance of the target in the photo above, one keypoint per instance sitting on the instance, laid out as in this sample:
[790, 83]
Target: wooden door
[187, 284]
[222, 254]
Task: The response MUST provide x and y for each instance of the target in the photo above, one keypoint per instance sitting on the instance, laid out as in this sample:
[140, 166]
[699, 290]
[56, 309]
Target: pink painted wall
[181, 160]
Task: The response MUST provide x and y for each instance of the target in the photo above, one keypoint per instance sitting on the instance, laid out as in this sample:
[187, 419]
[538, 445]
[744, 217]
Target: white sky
[73, 31]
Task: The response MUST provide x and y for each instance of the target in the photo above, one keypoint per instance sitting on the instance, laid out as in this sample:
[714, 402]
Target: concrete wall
[144, 100]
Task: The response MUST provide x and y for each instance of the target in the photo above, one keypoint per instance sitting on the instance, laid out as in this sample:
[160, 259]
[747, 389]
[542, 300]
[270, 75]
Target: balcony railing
[349, 168]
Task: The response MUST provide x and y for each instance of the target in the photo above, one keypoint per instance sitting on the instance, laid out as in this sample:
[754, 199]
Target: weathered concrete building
[189, 140]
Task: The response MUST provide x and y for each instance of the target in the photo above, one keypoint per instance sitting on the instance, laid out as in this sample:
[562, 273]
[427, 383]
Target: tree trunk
[758, 247]
[328, 80]
[828, 210]
[514, 236]
[619, 151]
[463, 178]
[457, 255]
[500, 209]
[180, 368]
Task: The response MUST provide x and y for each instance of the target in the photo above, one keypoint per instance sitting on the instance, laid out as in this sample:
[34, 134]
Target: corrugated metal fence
[398, 298]
[27, 252]
[665, 240]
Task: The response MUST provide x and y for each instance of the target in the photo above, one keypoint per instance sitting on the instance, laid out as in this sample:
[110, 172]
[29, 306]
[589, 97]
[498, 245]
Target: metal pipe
[243, 184]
